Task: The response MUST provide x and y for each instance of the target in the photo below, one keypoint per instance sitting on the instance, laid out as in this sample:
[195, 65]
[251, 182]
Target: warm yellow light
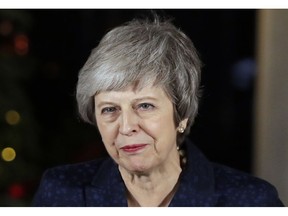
[12, 117]
[8, 154]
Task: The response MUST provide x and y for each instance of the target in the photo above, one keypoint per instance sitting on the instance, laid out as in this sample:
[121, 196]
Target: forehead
[153, 92]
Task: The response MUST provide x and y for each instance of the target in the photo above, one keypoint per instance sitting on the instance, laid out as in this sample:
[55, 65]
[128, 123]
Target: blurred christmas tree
[18, 128]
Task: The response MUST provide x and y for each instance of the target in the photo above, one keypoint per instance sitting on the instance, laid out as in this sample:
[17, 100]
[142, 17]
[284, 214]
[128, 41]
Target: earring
[181, 129]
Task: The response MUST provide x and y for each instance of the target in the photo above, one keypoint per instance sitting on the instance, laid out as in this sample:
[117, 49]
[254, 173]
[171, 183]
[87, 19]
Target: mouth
[133, 148]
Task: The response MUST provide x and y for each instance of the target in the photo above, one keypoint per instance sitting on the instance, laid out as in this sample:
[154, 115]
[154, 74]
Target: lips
[133, 148]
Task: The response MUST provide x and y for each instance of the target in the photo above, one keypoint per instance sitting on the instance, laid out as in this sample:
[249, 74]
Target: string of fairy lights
[17, 136]
[20, 46]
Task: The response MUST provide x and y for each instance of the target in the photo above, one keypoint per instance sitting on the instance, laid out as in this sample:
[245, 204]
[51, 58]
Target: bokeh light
[16, 191]
[6, 27]
[12, 117]
[21, 44]
[8, 154]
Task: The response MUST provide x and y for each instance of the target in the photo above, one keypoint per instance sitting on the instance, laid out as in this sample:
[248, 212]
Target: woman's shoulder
[63, 185]
[237, 188]
[75, 173]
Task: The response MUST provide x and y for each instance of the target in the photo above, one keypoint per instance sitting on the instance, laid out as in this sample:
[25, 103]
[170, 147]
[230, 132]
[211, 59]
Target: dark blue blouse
[202, 183]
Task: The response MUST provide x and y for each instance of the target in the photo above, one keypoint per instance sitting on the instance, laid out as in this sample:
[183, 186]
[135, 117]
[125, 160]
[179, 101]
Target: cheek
[153, 129]
[162, 129]
[108, 133]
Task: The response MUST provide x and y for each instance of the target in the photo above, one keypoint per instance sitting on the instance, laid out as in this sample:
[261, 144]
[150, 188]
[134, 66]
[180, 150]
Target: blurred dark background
[41, 52]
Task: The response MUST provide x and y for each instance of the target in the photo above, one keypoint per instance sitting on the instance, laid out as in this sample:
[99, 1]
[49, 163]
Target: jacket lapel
[107, 188]
[197, 184]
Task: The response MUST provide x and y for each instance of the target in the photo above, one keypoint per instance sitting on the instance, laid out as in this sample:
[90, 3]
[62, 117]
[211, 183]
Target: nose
[129, 123]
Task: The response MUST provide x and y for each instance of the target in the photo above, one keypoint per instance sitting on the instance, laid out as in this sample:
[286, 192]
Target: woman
[140, 88]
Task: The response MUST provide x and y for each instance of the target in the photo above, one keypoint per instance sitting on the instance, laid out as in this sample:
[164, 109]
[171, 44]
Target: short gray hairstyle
[139, 53]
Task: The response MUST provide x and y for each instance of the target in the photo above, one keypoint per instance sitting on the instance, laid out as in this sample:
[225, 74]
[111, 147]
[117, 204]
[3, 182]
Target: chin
[138, 168]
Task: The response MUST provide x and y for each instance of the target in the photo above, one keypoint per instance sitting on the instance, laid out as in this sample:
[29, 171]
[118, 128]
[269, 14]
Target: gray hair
[139, 53]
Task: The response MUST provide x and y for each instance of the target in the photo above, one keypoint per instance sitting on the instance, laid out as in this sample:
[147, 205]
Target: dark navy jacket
[202, 183]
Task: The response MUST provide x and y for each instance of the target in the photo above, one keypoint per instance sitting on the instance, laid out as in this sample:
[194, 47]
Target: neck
[152, 189]
[151, 201]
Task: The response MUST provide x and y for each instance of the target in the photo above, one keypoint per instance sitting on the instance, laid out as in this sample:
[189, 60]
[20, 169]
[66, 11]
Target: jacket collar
[107, 188]
[196, 186]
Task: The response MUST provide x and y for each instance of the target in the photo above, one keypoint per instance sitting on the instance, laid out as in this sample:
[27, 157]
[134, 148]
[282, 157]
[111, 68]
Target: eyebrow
[145, 98]
[105, 103]
[133, 101]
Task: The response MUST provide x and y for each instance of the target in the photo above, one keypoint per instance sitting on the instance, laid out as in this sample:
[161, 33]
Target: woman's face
[137, 128]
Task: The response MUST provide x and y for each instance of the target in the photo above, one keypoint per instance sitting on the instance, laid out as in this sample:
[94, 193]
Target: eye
[108, 110]
[145, 106]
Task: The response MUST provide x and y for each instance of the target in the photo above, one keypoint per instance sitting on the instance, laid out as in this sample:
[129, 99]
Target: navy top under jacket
[202, 183]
